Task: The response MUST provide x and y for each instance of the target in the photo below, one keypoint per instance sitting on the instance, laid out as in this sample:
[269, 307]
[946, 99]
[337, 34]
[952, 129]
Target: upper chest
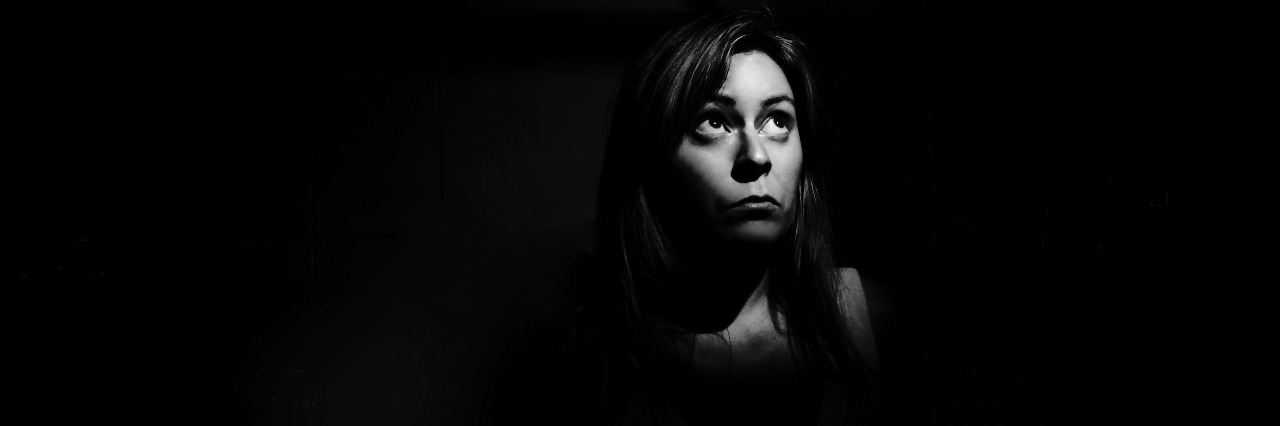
[752, 347]
[752, 369]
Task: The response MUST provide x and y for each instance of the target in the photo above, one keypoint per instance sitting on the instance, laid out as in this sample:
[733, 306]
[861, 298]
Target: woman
[715, 298]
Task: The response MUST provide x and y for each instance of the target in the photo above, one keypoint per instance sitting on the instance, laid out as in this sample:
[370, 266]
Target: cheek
[790, 162]
[699, 174]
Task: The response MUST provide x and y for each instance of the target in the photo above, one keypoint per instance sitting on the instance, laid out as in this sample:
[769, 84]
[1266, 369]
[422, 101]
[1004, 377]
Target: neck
[720, 286]
[759, 298]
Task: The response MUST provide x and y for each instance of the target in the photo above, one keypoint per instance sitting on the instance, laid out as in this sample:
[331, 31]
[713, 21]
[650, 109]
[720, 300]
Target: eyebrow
[771, 101]
[776, 99]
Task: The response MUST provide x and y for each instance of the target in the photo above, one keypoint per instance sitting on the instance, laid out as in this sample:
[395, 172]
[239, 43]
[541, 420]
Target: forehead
[754, 76]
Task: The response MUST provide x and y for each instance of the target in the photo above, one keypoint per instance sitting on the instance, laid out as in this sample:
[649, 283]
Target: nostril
[753, 159]
[750, 169]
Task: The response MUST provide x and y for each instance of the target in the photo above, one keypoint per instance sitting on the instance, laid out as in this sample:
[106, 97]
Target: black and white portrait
[650, 212]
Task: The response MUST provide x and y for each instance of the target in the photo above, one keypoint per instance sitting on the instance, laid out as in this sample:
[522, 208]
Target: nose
[752, 161]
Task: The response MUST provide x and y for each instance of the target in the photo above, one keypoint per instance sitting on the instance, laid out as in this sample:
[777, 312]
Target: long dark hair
[655, 107]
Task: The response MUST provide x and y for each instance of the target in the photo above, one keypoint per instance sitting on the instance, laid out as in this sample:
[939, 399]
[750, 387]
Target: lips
[755, 202]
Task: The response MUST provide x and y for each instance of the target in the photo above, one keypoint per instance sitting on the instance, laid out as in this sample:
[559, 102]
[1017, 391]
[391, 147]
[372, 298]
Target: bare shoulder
[853, 298]
[851, 290]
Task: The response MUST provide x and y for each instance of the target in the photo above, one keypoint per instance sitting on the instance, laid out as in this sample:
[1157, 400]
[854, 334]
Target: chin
[754, 232]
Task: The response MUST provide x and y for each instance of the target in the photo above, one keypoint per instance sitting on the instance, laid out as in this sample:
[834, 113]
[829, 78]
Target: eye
[778, 125]
[712, 128]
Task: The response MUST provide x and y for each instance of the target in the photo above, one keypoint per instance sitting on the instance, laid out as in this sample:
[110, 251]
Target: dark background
[305, 214]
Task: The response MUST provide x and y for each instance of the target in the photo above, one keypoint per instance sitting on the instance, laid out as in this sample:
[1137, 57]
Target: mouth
[755, 202]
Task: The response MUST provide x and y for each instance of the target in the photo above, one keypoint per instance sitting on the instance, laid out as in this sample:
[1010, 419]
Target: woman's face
[741, 163]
